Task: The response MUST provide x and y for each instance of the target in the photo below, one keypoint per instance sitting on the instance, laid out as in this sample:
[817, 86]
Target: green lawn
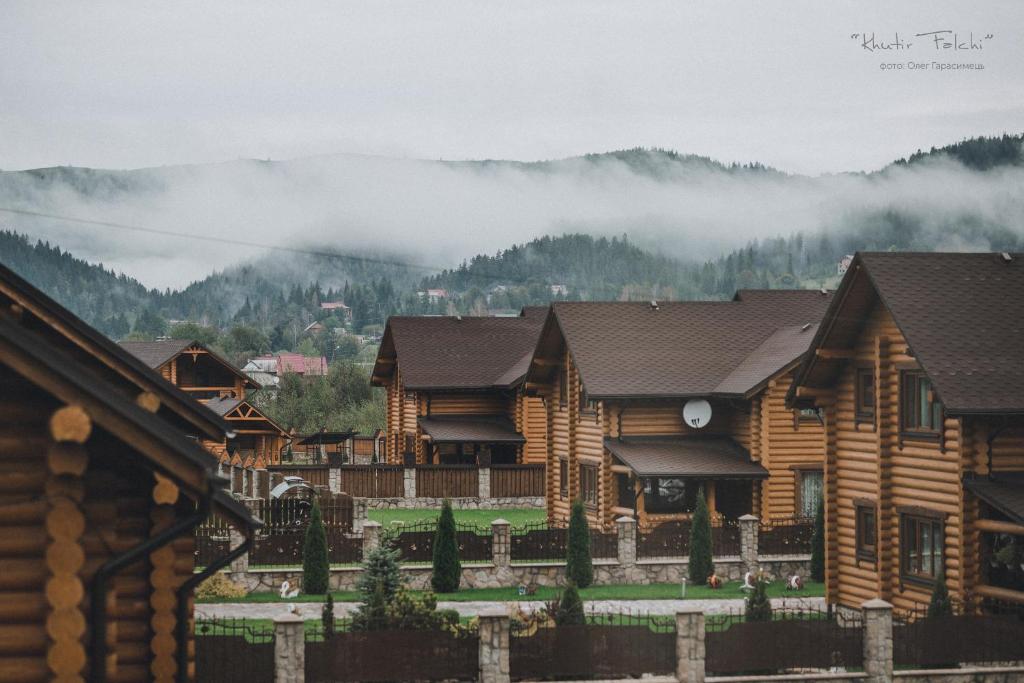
[657, 591]
[479, 518]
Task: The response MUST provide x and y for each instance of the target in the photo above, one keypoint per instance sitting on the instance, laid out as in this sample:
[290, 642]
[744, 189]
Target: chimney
[1006, 257]
[654, 305]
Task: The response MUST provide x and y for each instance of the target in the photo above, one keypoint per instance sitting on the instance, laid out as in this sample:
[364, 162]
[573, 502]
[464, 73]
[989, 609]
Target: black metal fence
[407, 655]
[725, 538]
[667, 540]
[976, 632]
[280, 541]
[415, 542]
[607, 646]
[234, 651]
[805, 640]
[785, 536]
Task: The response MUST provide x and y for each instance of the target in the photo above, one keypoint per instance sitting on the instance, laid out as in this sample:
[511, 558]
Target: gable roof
[223, 406]
[961, 316]
[458, 352]
[679, 349]
[157, 353]
[685, 456]
[89, 347]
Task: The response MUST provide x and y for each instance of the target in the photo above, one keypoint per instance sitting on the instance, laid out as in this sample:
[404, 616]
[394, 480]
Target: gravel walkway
[312, 610]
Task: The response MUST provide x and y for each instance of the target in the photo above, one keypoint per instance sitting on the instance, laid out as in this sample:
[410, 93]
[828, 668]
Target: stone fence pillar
[878, 651]
[240, 564]
[334, 478]
[690, 645]
[409, 480]
[371, 536]
[359, 514]
[289, 649]
[494, 646]
[626, 527]
[501, 543]
[748, 542]
[259, 478]
[484, 482]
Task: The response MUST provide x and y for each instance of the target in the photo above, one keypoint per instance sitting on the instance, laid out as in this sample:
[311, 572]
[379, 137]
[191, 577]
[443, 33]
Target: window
[410, 443]
[808, 415]
[809, 490]
[865, 394]
[920, 412]
[588, 485]
[866, 529]
[624, 486]
[921, 544]
[563, 478]
[670, 494]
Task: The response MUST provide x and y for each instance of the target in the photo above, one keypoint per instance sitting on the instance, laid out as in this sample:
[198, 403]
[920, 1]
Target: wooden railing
[372, 481]
[447, 481]
[513, 481]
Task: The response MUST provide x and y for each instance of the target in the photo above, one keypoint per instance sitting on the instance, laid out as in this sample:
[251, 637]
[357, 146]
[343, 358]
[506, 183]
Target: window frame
[910, 408]
[864, 412]
[563, 478]
[867, 552]
[936, 523]
[589, 474]
[799, 472]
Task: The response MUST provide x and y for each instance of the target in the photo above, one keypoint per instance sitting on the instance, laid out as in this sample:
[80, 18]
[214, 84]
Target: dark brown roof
[781, 349]
[685, 456]
[470, 429]
[447, 352]
[89, 347]
[156, 353]
[222, 406]
[1005, 493]
[961, 314]
[678, 349]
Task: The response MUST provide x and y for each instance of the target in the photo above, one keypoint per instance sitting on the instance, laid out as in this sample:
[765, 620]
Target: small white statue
[794, 583]
[749, 581]
[287, 593]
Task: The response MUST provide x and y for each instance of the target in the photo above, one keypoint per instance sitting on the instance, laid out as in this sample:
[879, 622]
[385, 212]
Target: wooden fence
[234, 651]
[409, 655]
[447, 481]
[974, 633]
[317, 475]
[372, 481]
[514, 481]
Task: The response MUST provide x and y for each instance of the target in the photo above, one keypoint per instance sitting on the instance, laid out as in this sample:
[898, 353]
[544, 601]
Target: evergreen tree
[758, 607]
[940, 605]
[578, 565]
[316, 570]
[701, 564]
[447, 568]
[818, 544]
[327, 617]
[379, 583]
[570, 608]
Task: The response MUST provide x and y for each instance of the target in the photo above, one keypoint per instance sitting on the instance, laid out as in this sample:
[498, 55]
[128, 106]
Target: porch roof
[1005, 493]
[471, 429]
[712, 457]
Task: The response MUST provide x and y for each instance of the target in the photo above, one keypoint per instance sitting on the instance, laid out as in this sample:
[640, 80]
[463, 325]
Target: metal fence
[211, 540]
[607, 646]
[979, 633]
[513, 481]
[447, 481]
[280, 541]
[725, 538]
[785, 536]
[667, 540]
[803, 640]
[234, 651]
[406, 655]
[372, 481]
[415, 542]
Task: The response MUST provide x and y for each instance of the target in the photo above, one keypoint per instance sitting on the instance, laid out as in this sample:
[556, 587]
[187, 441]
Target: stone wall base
[533, 502]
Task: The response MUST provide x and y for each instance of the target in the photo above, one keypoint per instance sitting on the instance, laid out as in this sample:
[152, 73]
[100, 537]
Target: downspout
[98, 588]
[182, 594]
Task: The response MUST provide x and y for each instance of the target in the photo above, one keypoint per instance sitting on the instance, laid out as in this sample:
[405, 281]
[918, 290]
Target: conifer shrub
[570, 608]
[579, 568]
[447, 568]
[758, 607]
[316, 569]
[940, 604]
[701, 564]
[327, 617]
[378, 585]
[818, 544]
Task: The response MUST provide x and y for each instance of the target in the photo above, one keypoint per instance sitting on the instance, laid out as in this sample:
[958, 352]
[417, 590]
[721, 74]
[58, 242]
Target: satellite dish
[697, 413]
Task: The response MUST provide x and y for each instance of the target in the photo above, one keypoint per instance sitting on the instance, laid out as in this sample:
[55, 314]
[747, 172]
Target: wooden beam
[621, 469]
[812, 392]
[996, 526]
[834, 354]
[1000, 593]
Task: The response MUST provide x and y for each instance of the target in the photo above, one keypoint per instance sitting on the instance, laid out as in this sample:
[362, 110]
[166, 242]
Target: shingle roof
[156, 353]
[686, 348]
[442, 352]
[470, 429]
[961, 314]
[1005, 493]
[222, 406]
[782, 348]
[685, 456]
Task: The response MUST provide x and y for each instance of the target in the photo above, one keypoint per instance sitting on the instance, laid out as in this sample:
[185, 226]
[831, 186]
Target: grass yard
[656, 591]
[479, 518]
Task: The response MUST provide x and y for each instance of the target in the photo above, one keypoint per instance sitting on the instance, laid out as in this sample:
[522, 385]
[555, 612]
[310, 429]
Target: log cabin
[103, 482]
[918, 368]
[454, 389]
[207, 377]
[616, 377]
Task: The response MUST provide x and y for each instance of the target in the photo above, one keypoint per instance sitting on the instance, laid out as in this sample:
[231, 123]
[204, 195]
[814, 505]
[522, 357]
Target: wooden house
[917, 368]
[617, 377]
[103, 483]
[212, 380]
[454, 389]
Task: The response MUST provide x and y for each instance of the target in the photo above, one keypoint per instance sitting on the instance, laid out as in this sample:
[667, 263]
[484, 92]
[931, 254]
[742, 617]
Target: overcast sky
[124, 85]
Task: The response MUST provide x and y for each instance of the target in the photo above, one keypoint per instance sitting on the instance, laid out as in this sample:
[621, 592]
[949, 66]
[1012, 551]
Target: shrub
[327, 616]
[579, 568]
[940, 605]
[408, 612]
[316, 570]
[758, 607]
[379, 583]
[447, 568]
[701, 565]
[570, 608]
[818, 544]
[219, 586]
